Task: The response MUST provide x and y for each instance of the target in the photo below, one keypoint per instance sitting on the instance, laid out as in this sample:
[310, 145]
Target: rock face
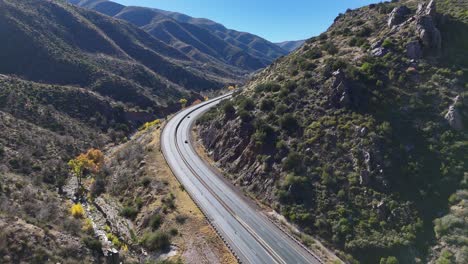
[426, 30]
[453, 116]
[340, 91]
[398, 15]
[414, 50]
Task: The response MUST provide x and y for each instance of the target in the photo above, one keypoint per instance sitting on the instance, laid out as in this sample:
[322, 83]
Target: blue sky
[275, 20]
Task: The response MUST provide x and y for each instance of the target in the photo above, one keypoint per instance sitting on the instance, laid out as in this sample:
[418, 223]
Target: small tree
[93, 160]
[183, 102]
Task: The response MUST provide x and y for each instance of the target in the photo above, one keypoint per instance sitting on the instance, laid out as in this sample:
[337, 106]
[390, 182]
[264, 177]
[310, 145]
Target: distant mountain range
[222, 52]
[290, 45]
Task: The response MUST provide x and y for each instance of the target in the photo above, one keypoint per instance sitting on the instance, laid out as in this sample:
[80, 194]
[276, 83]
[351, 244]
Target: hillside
[291, 45]
[359, 137]
[72, 80]
[224, 52]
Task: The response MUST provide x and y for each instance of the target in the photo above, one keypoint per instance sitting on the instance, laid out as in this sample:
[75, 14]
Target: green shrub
[293, 162]
[129, 212]
[245, 116]
[267, 105]
[357, 41]
[330, 48]
[364, 32]
[92, 243]
[289, 123]
[389, 260]
[387, 43]
[146, 181]
[180, 219]
[174, 231]
[155, 221]
[245, 103]
[267, 87]
[313, 54]
[156, 241]
[264, 135]
[229, 109]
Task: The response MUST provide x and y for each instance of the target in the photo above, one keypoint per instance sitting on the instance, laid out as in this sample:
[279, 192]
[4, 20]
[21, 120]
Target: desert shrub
[77, 211]
[330, 48]
[156, 241]
[173, 231]
[387, 43]
[264, 135]
[228, 108]
[357, 41]
[246, 103]
[88, 226]
[114, 239]
[98, 187]
[129, 212]
[267, 105]
[180, 219]
[149, 125]
[293, 162]
[245, 116]
[71, 225]
[92, 243]
[146, 181]
[267, 87]
[446, 257]
[389, 260]
[323, 36]
[313, 54]
[289, 123]
[155, 221]
[364, 32]
[281, 108]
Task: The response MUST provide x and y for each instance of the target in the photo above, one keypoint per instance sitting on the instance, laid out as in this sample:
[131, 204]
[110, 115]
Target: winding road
[251, 236]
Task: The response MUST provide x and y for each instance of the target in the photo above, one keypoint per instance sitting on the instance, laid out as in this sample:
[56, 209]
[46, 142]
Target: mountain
[290, 45]
[225, 52]
[71, 80]
[359, 137]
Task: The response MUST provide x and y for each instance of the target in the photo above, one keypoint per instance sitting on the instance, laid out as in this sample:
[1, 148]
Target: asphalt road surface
[248, 232]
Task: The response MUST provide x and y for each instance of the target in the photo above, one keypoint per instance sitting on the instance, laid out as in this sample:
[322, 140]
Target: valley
[347, 147]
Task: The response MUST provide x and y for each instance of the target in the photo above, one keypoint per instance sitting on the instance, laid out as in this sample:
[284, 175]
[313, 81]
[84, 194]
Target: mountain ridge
[199, 38]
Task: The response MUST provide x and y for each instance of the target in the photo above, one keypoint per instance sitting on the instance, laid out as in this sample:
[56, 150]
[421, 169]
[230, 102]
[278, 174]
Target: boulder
[453, 115]
[414, 50]
[379, 52]
[398, 15]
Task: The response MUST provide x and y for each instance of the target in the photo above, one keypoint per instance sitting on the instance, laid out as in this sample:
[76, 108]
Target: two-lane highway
[249, 233]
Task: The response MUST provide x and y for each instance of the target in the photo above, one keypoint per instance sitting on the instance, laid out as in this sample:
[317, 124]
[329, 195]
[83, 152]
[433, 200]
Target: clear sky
[275, 20]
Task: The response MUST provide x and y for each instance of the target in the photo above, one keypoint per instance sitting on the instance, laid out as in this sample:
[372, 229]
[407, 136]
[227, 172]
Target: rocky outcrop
[398, 15]
[414, 50]
[340, 91]
[453, 115]
[426, 29]
[379, 52]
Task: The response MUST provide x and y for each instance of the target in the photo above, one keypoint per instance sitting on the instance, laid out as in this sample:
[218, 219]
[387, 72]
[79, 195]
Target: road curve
[247, 231]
